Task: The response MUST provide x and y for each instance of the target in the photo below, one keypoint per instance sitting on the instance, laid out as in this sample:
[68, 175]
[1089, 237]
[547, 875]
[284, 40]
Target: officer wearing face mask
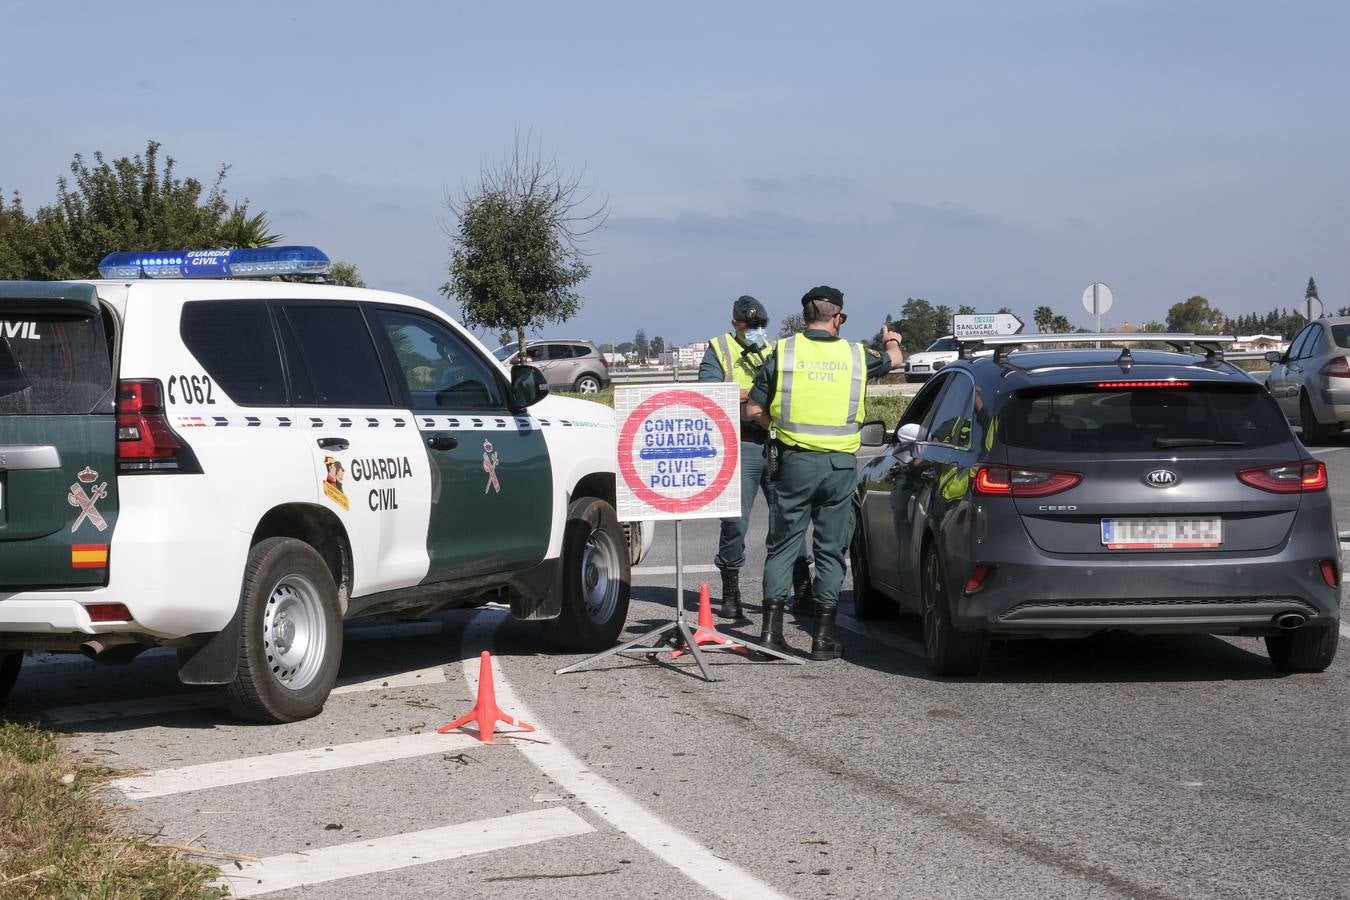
[737, 356]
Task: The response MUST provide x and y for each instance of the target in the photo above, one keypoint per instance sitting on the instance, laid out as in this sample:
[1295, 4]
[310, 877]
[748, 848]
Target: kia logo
[1161, 478]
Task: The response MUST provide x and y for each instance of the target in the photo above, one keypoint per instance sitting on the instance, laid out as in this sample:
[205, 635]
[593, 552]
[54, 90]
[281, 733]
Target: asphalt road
[1161, 767]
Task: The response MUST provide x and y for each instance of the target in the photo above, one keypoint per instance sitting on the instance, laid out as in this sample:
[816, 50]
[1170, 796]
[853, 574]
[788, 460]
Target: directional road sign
[985, 325]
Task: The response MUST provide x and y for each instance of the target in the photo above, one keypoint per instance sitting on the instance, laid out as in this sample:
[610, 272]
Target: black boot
[731, 594]
[823, 644]
[771, 634]
[803, 597]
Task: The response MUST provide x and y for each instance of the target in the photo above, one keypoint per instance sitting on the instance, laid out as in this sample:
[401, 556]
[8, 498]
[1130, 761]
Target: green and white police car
[232, 467]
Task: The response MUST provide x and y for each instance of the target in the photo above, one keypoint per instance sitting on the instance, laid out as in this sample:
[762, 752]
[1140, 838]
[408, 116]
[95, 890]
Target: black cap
[826, 293]
[750, 311]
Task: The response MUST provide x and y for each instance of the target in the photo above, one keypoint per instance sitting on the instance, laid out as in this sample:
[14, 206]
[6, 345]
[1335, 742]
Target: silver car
[1311, 380]
[567, 365]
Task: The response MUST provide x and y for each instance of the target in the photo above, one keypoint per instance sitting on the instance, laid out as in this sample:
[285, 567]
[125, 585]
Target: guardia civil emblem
[490, 461]
[87, 504]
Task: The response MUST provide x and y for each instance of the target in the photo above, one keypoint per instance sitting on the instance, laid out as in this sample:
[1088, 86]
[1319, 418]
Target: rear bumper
[1074, 597]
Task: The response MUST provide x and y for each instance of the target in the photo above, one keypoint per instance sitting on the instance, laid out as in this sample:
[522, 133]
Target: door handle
[28, 456]
[333, 443]
[442, 442]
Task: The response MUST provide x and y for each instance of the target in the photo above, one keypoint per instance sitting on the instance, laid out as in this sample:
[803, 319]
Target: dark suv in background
[1052, 493]
[568, 365]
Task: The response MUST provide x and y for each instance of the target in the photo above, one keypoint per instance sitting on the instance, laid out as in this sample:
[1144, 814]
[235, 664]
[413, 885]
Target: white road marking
[894, 641]
[696, 862]
[1345, 631]
[701, 569]
[399, 851]
[250, 769]
[174, 703]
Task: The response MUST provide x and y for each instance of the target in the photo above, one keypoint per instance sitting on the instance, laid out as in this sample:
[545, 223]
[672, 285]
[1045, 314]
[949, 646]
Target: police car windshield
[505, 352]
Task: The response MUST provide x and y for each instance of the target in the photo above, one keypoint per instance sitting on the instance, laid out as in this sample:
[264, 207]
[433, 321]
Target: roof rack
[1211, 344]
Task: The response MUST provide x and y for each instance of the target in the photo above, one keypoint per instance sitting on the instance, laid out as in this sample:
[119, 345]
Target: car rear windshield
[1341, 335]
[54, 366]
[1092, 419]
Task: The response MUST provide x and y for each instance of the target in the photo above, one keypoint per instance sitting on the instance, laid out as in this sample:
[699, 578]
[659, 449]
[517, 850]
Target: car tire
[1305, 650]
[587, 384]
[595, 576]
[290, 635]
[868, 602]
[10, 663]
[949, 651]
[1314, 432]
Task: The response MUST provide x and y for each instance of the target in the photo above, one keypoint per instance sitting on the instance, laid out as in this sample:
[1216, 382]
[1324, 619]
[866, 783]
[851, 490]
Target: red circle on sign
[730, 443]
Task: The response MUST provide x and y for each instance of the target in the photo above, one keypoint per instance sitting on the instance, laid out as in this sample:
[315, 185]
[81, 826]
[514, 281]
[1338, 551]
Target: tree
[965, 309]
[1005, 309]
[641, 346]
[1044, 318]
[658, 345]
[346, 274]
[1311, 292]
[129, 203]
[243, 230]
[1194, 316]
[625, 348]
[517, 251]
[791, 324]
[1060, 324]
[921, 324]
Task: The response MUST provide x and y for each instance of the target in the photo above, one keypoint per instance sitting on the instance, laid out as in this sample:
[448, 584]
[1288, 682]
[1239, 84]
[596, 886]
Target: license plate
[1162, 534]
[918, 368]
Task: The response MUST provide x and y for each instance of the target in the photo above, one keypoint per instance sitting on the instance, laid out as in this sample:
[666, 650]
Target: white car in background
[921, 366]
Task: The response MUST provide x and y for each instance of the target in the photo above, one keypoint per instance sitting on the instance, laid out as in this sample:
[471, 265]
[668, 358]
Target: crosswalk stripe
[399, 851]
[62, 716]
[249, 769]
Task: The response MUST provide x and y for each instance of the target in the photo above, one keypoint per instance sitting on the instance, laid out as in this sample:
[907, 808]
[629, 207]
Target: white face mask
[757, 337]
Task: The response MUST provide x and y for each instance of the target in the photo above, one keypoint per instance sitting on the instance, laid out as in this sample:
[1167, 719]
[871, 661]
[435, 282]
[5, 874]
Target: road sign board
[679, 451]
[1097, 298]
[1312, 308]
[985, 325]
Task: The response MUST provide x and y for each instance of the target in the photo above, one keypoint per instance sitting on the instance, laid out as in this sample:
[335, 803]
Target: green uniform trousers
[731, 541]
[812, 488]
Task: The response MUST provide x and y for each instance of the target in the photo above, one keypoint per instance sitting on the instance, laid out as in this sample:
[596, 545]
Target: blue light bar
[243, 262]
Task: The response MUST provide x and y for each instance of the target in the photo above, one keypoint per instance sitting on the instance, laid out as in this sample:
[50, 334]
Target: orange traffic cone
[485, 712]
[706, 632]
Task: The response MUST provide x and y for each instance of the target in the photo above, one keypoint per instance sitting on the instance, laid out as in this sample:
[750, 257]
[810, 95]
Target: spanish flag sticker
[89, 556]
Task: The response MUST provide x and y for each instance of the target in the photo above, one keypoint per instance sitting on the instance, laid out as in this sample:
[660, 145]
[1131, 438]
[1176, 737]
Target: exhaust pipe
[112, 649]
[1290, 620]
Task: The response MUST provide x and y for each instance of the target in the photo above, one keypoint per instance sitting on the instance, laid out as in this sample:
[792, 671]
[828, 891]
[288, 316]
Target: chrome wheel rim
[600, 581]
[295, 634]
[589, 386]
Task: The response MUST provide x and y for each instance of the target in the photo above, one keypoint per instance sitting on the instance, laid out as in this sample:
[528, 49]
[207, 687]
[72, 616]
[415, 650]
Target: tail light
[1006, 481]
[108, 612]
[1289, 478]
[604, 362]
[145, 442]
[979, 576]
[1337, 368]
[1329, 573]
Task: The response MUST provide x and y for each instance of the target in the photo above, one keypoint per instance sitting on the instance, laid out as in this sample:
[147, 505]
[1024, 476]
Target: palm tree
[243, 230]
[1044, 318]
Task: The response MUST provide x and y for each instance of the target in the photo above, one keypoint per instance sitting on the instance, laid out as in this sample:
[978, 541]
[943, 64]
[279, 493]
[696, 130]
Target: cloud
[752, 227]
[810, 183]
[945, 216]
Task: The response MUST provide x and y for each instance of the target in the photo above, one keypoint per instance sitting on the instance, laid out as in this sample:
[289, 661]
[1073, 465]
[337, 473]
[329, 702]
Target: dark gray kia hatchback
[1064, 492]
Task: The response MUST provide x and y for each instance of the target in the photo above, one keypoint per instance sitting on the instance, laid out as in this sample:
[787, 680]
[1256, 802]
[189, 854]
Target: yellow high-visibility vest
[818, 401]
[740, 367]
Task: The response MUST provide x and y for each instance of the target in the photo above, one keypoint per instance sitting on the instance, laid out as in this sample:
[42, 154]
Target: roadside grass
[56, 836]
[887, 407]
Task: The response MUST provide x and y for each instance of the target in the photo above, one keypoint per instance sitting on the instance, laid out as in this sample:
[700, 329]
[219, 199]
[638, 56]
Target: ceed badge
[87, 504]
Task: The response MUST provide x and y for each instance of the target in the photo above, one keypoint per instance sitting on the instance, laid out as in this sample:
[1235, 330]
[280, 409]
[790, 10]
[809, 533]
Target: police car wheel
[290, 641]
[949, 651]
[868, 602]
[595, 577]
[10, 663]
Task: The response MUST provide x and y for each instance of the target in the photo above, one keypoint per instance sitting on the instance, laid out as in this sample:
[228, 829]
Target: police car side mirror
[1274, 356]
[873, 434]
[528, 386]
[909, 434]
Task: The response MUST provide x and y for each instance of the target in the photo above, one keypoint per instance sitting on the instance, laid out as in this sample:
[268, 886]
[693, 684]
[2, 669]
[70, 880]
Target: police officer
[737, 356]
[810, 392]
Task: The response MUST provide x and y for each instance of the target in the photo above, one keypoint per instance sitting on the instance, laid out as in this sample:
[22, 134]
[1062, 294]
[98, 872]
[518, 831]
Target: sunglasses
[843, 317]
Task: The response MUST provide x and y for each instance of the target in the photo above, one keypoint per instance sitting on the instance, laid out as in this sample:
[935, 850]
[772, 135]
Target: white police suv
[233, 467]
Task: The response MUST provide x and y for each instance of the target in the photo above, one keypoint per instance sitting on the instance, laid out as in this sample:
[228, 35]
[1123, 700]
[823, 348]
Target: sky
[992, 154]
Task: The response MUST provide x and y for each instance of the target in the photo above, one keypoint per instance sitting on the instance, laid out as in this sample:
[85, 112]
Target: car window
[442, 370]
[1341, 335]
[1089, 419]
[505, 353]
[924, 404]
[1296, 348]
[536, 353]
[236, 345]
[337, 364]
[1313, 345]
[579, 350]
[952, 414]
[559, 351]
[54, 366]
[945, 344]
